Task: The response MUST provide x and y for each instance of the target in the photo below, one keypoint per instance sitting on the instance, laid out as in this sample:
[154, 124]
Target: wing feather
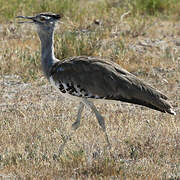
[108, 80]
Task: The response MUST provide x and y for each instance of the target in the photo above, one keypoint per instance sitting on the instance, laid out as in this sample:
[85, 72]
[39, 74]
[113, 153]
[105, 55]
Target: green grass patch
[76, 9]
[154, 7]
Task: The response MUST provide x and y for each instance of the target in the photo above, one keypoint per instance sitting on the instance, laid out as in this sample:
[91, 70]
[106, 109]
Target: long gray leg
[76, 124]
[99, 118]
[74, 127]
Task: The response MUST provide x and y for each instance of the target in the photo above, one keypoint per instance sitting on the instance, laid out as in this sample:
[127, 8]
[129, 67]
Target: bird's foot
[75, 125]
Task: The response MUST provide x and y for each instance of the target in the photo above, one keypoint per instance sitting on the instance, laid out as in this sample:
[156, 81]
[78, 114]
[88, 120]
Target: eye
[42, 18]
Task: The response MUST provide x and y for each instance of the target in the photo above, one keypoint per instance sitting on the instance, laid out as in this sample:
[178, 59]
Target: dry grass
[33, 119]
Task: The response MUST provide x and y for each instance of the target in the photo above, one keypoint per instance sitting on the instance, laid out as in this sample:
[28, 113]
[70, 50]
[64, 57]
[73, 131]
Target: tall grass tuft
[153, 7]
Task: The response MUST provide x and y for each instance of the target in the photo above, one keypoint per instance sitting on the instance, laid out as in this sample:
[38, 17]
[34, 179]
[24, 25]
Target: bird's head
[45, 22]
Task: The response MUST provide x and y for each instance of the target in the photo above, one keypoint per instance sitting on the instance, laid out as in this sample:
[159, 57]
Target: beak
[26, 17]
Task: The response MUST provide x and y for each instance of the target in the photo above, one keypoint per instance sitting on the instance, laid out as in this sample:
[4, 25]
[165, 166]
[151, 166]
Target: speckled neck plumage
[47, 51]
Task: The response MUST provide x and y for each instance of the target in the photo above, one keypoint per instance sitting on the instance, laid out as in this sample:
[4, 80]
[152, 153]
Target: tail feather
[163, 105]
[170, 111]
[158, 104]
[167, 107]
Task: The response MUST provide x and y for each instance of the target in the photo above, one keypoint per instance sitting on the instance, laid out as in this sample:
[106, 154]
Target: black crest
[52, 15]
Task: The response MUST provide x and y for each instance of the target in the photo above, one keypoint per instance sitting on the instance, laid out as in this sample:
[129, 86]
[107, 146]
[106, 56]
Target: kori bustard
[86, 79]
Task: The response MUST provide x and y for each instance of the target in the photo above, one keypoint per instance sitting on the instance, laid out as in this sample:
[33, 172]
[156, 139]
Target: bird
[87, 79]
